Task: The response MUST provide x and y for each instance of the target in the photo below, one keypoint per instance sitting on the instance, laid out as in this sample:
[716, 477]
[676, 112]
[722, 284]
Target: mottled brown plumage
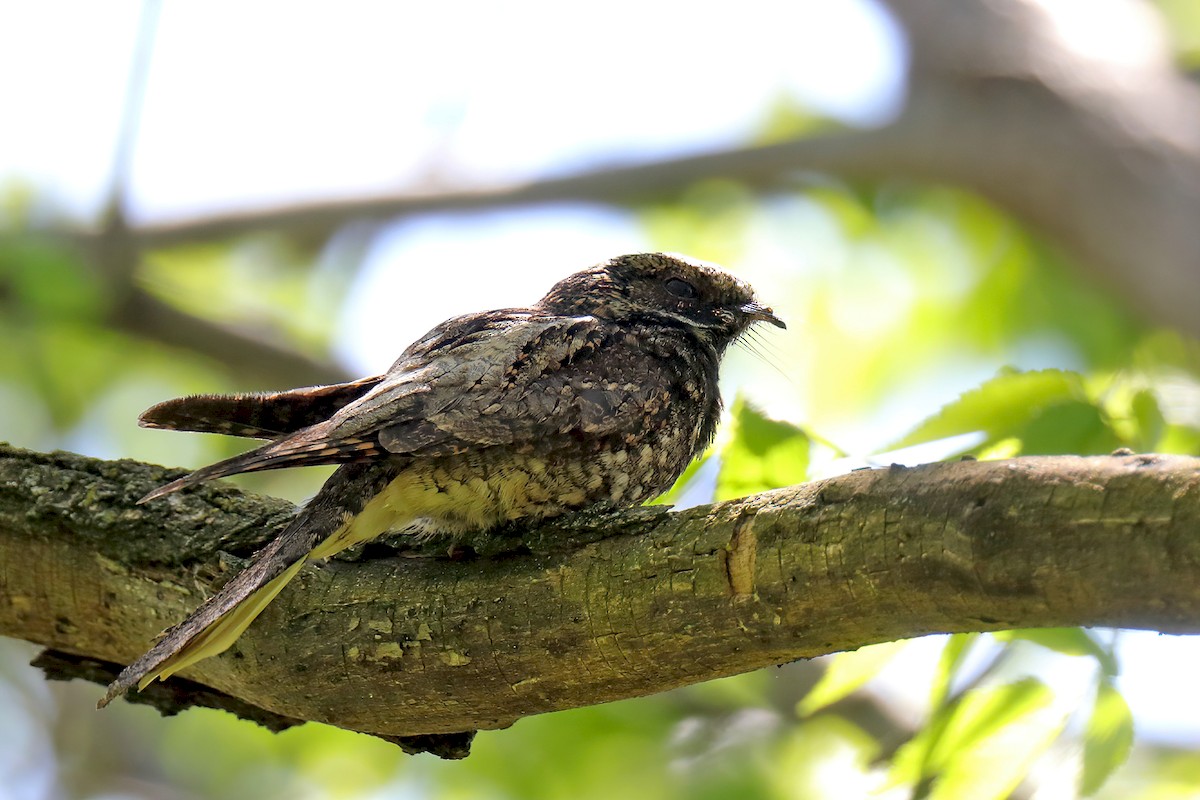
[599, 394]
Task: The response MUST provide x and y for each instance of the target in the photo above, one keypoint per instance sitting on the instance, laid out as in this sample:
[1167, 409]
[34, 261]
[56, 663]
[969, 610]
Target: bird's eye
[680, 288]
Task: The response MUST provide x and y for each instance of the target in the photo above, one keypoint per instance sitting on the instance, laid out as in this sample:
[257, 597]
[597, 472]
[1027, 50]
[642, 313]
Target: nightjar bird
[600, 393]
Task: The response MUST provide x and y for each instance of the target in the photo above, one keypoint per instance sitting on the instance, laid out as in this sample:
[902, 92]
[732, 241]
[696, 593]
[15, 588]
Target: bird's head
[664, 288]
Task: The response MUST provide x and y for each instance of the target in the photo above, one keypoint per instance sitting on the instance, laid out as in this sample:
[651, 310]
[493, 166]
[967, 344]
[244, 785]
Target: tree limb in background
[765, 166]
[589, 610]
[258, 358]
[1091, 141]
[1074, 118]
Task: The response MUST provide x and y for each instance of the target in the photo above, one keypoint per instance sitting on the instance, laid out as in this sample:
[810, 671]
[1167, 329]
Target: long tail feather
[220, 636]
[257, 416]
[327, 525]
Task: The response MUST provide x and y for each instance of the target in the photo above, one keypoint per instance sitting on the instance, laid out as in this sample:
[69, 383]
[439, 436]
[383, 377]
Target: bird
[597, 396]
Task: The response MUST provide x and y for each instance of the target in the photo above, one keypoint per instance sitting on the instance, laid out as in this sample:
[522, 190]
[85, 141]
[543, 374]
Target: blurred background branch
[1089, 144]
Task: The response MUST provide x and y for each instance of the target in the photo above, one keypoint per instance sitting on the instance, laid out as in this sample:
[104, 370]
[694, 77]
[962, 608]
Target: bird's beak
[756, 312]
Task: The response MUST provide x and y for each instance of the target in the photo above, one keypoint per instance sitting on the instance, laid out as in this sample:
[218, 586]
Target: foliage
[917, 315]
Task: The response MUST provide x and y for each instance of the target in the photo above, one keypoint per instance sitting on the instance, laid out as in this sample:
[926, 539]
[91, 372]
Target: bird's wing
[258, 416]
[549, 387]
[435, 370]
[478, 381]
[484, 381]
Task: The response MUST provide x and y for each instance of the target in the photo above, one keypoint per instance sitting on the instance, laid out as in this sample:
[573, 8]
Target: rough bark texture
[601, 608]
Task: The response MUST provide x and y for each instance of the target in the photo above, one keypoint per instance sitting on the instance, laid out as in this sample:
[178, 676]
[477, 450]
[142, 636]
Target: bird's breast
[478, 490]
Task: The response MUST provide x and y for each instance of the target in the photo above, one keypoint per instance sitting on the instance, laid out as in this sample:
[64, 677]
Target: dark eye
[680, 288]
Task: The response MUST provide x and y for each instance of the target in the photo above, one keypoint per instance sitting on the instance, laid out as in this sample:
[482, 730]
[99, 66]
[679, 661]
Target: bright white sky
[249, 103]
[273, 101]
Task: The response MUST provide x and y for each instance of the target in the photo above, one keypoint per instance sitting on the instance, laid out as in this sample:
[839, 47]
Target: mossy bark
[593, 609]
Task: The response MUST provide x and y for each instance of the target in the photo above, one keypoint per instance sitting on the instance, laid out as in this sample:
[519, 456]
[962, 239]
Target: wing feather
[540, 383]
[476, 382]
[307, 448]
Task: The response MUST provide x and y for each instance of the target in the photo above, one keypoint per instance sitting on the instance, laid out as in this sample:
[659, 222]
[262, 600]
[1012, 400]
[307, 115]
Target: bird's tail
[216, 624]
[329, 524]
[267, 415]
[220, 636]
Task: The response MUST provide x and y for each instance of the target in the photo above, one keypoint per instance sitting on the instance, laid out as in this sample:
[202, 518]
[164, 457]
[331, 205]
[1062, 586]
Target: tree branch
[1086, 135]
[1095, 146]
[1091, 142]
[862, 154]
[589, 609]
[115, 252]
[268, 364]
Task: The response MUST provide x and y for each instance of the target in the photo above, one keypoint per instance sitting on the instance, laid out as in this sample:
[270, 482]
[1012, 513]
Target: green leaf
[1108, 738]
[1068, 641]
[982, 745]
[953, 654]
[999, 407]
[1149, 420]
[856, 218]
[993, 768]
[1075, 426]
[265, 282]
[787, 120]
[47, 282]
[762, 454]
[1182, 19]
[982, 713]
[846, 672]
[69, 365]
[1183, 439]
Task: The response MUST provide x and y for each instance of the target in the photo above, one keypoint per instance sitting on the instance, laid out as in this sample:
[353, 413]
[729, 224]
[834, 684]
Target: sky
[270, 101]
[249, 104]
